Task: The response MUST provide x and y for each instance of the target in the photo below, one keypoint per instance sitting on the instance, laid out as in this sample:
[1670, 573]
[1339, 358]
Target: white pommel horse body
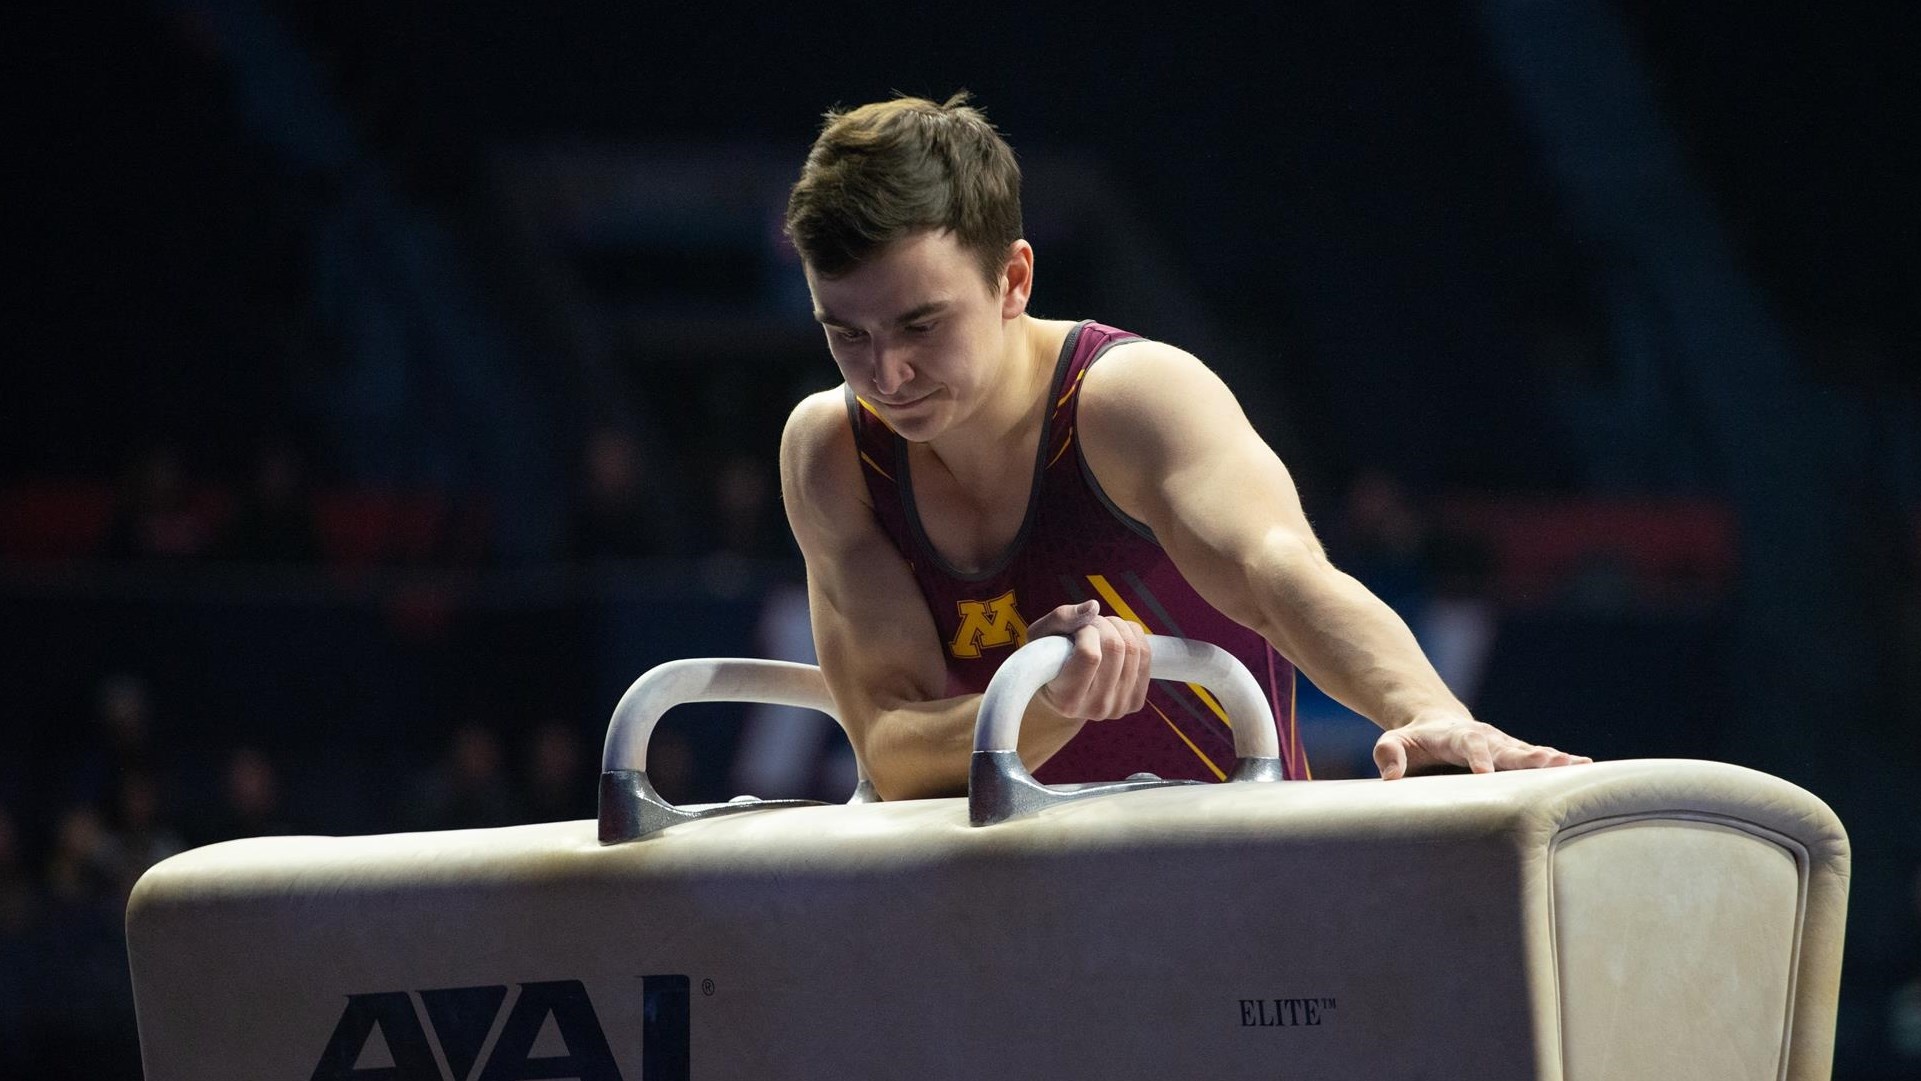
[1622, 921]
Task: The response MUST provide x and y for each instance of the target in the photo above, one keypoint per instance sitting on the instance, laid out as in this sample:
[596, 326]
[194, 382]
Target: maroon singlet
[1075, 545]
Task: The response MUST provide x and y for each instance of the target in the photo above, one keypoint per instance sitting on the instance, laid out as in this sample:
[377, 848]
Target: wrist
[1422, 712]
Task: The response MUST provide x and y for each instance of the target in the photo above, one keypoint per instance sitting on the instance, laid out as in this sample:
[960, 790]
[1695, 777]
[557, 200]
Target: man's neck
[1013, 416]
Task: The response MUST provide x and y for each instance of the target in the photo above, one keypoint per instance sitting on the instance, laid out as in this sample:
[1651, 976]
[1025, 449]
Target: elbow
[1286, 553]
[898, 777]
[1279, 577]
[896, 772]
[896, 787]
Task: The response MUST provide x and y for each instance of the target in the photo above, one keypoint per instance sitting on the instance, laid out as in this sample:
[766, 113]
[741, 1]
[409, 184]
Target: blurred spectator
[143, 838]
[1458, 624]
[469, 790]
[737, 535]
[80, 1020]
[1436, 580]
[250, 800]
[1381, 538]
[274, 522]
[122, 743]
[787, 752]
[561, 786]
[84, 869]
[743, 505]
[156, 518]
[622, 511]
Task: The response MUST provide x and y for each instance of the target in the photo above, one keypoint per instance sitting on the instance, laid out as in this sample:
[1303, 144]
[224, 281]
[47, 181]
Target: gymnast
[985, 476]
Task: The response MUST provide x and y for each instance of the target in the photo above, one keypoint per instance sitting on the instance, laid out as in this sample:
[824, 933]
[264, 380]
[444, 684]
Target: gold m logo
[988, 623]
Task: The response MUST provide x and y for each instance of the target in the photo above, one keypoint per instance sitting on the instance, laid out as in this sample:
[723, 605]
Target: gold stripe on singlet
[1121, 609]
[1198, 753]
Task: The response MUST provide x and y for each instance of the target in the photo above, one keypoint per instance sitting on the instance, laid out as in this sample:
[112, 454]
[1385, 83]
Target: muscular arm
[877, 644]
[1171, 447]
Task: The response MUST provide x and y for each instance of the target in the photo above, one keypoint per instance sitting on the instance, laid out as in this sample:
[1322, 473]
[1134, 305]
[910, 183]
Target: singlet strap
[1064, 434]
[882, 460]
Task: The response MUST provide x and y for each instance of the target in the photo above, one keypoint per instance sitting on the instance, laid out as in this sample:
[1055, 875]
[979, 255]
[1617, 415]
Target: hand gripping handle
[1000, 787]
[629, 806]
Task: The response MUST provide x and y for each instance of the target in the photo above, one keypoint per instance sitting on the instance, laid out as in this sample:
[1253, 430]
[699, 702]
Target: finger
[1126, 691]
[1111, 692]
[1548, 757]
[1390, 757]
[1480, 756]
[1070, 691]
[1519, 754]
[1065, 619]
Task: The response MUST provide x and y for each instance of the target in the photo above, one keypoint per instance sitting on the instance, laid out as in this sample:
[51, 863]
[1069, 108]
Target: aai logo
[463, 1018]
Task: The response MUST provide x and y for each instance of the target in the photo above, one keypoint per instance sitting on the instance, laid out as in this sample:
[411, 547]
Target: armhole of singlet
[1087, 472]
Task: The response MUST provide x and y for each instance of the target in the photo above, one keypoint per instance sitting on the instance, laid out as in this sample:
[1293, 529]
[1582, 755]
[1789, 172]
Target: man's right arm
[877, 643]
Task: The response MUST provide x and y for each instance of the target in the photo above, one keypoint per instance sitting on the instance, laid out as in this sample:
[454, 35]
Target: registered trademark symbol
[707, 987]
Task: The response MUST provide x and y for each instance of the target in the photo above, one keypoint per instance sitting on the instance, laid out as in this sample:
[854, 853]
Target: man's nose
[891, 372]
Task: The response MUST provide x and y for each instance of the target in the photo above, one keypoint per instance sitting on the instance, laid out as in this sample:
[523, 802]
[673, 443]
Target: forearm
[1348, 641]
[914, 750]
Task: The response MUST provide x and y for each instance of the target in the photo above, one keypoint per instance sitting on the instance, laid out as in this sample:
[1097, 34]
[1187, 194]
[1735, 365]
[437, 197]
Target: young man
[982, 468]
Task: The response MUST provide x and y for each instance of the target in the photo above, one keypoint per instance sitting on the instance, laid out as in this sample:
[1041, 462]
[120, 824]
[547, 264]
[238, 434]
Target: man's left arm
[1171, 447]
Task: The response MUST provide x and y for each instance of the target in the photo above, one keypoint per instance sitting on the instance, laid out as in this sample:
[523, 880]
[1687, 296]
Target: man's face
[916, 332]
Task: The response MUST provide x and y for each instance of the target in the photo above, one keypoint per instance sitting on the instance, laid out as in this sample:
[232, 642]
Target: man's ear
[1017, 279]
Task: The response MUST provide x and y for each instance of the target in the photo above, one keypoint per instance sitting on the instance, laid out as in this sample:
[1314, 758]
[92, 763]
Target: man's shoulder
[1149, 410]
[1141, 379]
[817, 426]
[817, 452]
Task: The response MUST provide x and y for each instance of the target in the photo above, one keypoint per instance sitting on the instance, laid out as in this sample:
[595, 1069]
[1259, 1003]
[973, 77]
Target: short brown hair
[885, 170]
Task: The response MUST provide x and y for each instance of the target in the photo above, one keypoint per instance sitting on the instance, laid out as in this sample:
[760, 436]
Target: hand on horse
[1449, 738]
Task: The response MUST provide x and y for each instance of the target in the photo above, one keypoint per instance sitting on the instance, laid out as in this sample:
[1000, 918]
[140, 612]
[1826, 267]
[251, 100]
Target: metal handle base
[630, 808]
[1000, 788]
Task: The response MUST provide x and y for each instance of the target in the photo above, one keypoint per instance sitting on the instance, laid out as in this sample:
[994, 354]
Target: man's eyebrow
[912, 315]
[920, 311]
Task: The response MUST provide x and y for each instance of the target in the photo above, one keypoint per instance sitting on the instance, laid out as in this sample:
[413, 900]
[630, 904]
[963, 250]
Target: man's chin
[917, 421]
[921, 432]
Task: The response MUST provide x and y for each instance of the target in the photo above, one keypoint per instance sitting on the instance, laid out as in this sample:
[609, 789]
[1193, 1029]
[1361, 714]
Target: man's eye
[846, 335]
[919, 328]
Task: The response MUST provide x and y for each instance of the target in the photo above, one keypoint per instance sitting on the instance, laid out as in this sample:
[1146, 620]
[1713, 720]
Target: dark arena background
[389, 384]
